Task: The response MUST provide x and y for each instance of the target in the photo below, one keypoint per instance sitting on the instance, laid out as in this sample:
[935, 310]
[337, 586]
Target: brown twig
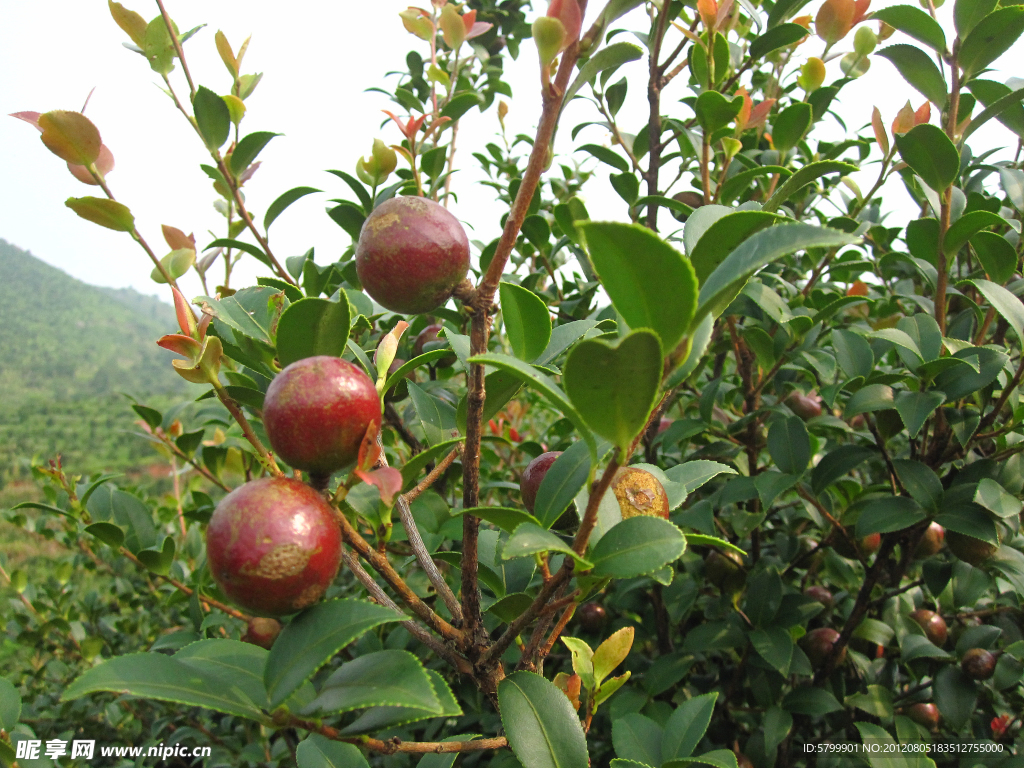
[265, 457]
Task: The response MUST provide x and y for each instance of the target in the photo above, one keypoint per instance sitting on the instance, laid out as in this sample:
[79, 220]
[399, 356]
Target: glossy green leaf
[317, 751]
[177, 263]
[384, 678]
[775, 38]
[959, 382]
[437, 417]
[542, 728]
[791, 125]
[996, 255]
[281, 203]
[650, 283]
[967, 14]
[543, 384]
[956, 696]
[757, 251]
[506, 518]
[610, 57]
[312, 327]
[789, 445]
[249, 248]
[107, 213]
[968, 225]
[563, 480]
[1004, 302]
[313, 637]
[239, 312]
[715, 111]
[892, 513]
[693, 474]
[606, 155]
[913, 21]
[10, 705]
[990, 38]
[637, 738]
[526, 319]
[931, 155]
[1000, 103]
[724, 236]
[530, 539]
[774, 645]
[873, 397]
[213, 119]
[993, 497]
[460, 105]
[918, 69]
[853, 353]
[614, 387]
[810, 700]
[809, 173]
[248, 149]
[915, 408]
[718, 758]
[637, 546]
[734, 185]
[687, 725]
[412, 468]
[161, 677]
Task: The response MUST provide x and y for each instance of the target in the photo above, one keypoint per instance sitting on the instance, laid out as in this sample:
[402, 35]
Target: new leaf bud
[452, 28]
[864, 41]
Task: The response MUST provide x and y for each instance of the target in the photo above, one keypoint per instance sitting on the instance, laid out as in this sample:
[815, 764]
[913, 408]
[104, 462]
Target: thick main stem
[654, 126]
[481, 307]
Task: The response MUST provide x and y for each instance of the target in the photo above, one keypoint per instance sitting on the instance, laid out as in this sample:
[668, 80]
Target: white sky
[317, 60]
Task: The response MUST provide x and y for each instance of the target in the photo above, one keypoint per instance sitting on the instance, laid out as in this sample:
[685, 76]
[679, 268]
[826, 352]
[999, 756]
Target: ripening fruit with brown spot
[821, 595]
[978, 664]
[317, 411]
[273, 546]
[411, 254]
[934, 626]
[533, 475]
[262, 632]
[639, 493]
[969, 549]
[818, 644]
[591, 617]
[925, 714]
[804, 406]
[931, 541]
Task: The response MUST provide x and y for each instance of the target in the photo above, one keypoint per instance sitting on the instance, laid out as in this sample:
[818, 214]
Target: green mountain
[67, 352]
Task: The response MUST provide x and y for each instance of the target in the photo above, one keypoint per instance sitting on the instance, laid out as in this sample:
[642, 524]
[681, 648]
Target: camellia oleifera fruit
[273, 546]
[317, 411]
[534, 473]
[639, 493]
[934, 626]
[411, 254]
[818, 644]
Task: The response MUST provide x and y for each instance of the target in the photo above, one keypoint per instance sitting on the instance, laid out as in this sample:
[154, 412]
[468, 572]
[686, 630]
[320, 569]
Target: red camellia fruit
[820, 594]
[273, 546]
[262, 632]
[316, 412]
[534, 473]
[925, 714]
[639, 493]
[804, 406]
[867, 546]
[818, 643]
[934, 626]
[978, 664]
[411, 254]
[592, 617]
[432, 333]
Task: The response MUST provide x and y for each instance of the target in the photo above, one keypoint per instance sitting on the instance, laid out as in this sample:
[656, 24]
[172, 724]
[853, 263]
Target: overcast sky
[318, 59]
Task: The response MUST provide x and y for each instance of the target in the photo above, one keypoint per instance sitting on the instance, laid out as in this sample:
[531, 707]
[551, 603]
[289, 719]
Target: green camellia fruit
[725, 571]
[639, 493]
[273, 546]
[978, 664]
[317, 411]
[411, 254]
[533, 475]
[934, 626]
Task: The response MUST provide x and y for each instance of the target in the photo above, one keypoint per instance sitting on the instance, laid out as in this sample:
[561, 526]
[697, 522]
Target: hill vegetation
[69, 352]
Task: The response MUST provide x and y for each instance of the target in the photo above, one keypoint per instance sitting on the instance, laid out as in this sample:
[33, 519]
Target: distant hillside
[66, 350]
